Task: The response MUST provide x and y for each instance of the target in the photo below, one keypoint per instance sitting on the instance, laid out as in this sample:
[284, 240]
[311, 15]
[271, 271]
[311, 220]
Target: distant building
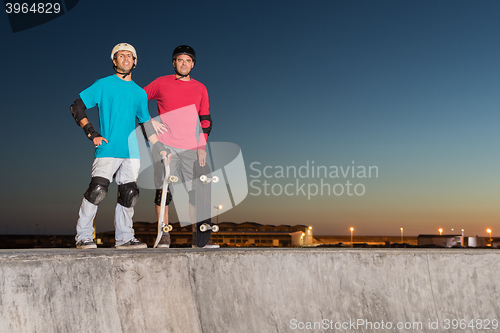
[439, 240]
[495, 242]
[247, 234]
[477, 241]
[455, 240]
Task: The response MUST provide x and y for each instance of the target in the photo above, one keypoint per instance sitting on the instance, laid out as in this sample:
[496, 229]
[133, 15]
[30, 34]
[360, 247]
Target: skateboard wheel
[203, 178]
[215, 179]
[215, 228]
[173, 179]
[203, 228]
[167, 228]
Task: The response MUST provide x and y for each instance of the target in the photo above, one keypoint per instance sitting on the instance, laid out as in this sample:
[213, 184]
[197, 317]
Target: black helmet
[184, 49]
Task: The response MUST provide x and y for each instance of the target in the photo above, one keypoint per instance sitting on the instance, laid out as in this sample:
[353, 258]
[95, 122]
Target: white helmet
[124, 47]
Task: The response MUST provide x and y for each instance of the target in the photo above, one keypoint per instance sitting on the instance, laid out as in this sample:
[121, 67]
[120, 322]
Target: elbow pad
[78, 110]
[203, 120]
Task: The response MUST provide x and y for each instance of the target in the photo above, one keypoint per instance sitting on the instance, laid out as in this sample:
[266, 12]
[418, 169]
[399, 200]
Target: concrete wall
[271, 290]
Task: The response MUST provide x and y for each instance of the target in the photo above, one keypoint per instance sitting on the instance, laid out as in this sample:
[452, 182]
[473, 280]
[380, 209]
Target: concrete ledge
[251, 290]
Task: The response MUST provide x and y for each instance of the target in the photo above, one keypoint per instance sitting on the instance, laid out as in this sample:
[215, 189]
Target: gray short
[182, 163]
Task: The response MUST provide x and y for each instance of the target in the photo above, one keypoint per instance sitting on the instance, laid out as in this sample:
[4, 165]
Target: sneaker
[132, 244]
[209, 245]
[86, 243]
[164, 241]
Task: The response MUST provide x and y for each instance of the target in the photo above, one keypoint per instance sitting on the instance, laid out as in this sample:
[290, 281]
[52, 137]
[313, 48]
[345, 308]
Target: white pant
[125, 170]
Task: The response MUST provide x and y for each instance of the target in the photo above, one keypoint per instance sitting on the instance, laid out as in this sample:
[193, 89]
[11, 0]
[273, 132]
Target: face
[124, 61]
[183, 64]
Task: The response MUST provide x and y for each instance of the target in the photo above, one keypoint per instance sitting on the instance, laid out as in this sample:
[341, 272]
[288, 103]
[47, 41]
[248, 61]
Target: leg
[187, 159]
[126, 174]
[163, 236]
[158, 205]
[102, 173]
[163, 198]
[158, 169]
[165, 216]
[192, 210]
[200, 206]
[84, 226]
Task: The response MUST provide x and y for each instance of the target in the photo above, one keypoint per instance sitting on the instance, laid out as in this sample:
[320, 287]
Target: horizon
[314, 234]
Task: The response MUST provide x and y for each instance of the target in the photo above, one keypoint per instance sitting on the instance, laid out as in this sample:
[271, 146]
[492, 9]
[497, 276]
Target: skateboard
[162, 227]
[203, 188]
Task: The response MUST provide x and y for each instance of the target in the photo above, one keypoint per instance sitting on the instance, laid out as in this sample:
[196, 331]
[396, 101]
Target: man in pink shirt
[184, 111]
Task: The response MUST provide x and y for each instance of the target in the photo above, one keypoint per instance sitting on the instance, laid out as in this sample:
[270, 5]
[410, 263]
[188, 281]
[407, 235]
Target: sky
[408, 88]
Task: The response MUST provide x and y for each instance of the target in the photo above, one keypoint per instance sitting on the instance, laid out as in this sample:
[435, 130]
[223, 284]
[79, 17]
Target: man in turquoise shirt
[121, 101]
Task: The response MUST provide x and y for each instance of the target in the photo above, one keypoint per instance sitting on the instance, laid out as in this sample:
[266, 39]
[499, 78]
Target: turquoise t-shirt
[120, 103]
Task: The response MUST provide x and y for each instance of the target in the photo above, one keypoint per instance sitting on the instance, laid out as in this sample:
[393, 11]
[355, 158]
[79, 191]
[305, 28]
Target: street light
[489, 231]
[352, 229]
[217, 211]
[440, 231]
[401, 235]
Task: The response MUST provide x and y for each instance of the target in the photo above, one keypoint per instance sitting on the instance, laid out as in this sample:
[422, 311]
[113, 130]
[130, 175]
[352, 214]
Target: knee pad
[97, 191]
[192, 199]
[158, 197]
[128, 194]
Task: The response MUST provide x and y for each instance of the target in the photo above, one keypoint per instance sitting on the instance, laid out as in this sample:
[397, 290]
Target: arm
[159, 127]
[206, 126]
[205, 119]
[78, 111]
[158, 147]
[152, 92]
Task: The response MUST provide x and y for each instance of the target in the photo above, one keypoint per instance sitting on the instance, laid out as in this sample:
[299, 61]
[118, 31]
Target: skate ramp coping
[254, 290]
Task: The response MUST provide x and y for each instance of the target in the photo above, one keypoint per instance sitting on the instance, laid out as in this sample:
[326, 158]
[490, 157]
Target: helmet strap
[124, 74]
[180, 75]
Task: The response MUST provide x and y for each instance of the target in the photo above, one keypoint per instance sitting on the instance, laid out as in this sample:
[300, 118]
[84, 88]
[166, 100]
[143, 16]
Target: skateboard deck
[168, 178]
[203, 188]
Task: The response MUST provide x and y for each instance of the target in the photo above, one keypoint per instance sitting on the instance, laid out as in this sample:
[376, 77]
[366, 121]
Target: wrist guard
[158, 147]
[90, 132]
